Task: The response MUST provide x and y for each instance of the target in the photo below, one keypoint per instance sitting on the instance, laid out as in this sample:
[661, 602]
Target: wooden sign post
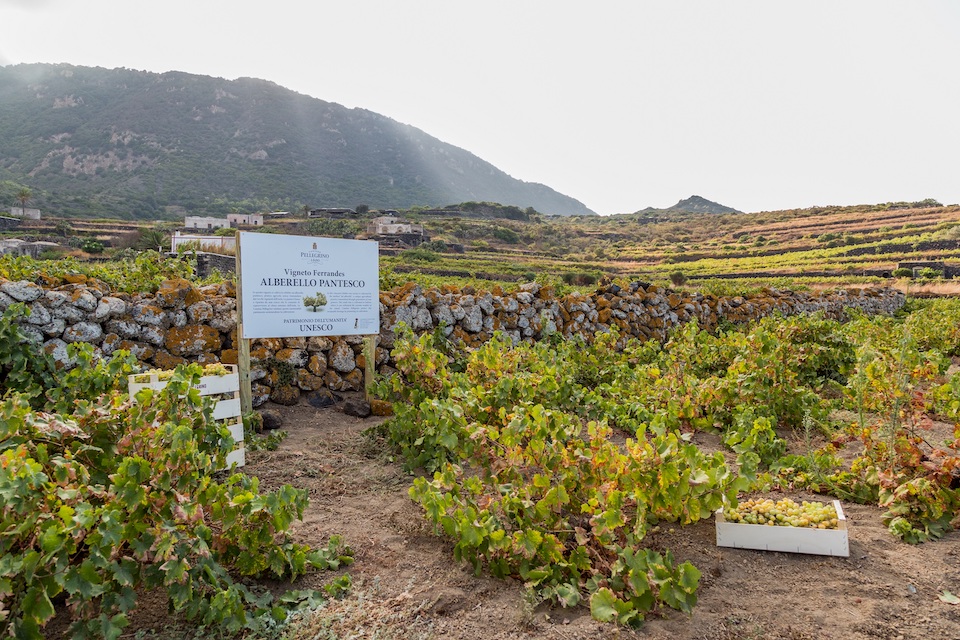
[369, 363]
[243, 346]
[301, 286]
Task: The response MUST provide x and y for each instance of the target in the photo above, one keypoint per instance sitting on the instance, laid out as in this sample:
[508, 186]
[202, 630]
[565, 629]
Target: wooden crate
[226, 409]
[824, 542]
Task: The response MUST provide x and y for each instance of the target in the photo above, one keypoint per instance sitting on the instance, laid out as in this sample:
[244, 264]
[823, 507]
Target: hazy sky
[757, 104]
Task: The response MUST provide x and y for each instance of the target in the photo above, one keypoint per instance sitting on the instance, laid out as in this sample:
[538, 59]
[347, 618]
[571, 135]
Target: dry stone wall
[185, 323]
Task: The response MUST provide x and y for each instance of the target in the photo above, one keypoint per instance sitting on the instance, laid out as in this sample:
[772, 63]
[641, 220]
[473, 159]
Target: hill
[696, 204]
[135, 144]
[693, 204]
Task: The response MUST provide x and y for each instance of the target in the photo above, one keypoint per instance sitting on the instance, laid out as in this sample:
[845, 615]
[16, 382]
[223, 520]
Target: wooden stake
[243, 364]
[369, 361]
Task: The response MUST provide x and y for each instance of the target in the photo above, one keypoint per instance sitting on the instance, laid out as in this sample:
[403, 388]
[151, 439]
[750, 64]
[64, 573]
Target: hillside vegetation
[792, 247]
[134, 144]
[505, 245]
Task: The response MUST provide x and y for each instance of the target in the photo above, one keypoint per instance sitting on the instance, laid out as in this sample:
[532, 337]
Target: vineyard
[559, 466]
[792, 248]
[552, 462]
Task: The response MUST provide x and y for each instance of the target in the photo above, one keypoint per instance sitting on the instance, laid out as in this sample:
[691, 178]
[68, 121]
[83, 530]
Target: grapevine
[102, 497]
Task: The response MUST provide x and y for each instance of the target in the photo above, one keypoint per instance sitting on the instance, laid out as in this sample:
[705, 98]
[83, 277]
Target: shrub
[677, 278]
[63, 228]
[506, 235]
[419, 255]
[92, 246]
[826, 238]
[902, 273]
[580, 278]
[438, 246]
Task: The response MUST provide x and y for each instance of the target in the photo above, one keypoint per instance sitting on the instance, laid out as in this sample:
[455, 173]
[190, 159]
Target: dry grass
[366, 613]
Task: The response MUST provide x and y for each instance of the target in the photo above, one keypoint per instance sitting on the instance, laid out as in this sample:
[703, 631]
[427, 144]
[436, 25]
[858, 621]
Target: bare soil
[407, 584]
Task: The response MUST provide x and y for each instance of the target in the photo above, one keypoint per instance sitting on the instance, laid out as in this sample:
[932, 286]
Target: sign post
[301, 286]
[243, 348]
[369, 363]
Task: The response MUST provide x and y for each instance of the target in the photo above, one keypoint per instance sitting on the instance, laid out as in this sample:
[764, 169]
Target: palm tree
[151, 238]
[24, 196]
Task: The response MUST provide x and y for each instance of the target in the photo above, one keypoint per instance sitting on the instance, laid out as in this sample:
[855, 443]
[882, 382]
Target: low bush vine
[543, 493]
[895, 390]
[101, 496]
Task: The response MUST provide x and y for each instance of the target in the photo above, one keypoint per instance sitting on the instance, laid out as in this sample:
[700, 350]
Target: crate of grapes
[784, 525]
[221, 380]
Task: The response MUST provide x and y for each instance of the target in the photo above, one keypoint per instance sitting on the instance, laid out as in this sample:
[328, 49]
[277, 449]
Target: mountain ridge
[89, 140]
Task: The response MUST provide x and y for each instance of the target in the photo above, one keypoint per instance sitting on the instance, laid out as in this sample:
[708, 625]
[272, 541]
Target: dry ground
[407, 584]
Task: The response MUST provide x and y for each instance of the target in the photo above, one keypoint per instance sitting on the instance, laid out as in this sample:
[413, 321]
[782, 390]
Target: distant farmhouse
[391, 231]
[233, 220]
[248, 219]
[201, 222]
[25, 212]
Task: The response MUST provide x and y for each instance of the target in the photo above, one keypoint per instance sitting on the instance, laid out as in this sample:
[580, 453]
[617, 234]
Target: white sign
[303, 286]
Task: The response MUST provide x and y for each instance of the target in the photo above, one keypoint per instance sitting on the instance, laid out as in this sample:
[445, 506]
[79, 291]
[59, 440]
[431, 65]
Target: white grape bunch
[785, 513]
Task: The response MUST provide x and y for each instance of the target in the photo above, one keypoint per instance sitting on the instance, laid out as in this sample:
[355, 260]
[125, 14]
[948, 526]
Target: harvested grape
[785, 513]
[215, 369]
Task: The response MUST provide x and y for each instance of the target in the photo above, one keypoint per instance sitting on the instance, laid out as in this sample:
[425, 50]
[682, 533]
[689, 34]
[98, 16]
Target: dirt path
[408, 586]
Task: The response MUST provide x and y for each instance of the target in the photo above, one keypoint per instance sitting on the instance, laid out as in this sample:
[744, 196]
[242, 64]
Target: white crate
[237, 456]
[823, 542]
[223, 410]
[236, 432]
[229, 408]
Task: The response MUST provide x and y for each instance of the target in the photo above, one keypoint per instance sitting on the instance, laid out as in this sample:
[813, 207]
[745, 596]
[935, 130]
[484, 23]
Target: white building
[387, 225]
[26, 213]
[249, 219]
[201, 222]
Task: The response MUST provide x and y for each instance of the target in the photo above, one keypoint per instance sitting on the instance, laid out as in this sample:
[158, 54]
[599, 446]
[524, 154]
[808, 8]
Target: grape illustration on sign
[302, 286]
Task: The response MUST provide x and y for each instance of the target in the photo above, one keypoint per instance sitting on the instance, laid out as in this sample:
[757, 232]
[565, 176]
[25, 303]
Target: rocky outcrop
[185, 323]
